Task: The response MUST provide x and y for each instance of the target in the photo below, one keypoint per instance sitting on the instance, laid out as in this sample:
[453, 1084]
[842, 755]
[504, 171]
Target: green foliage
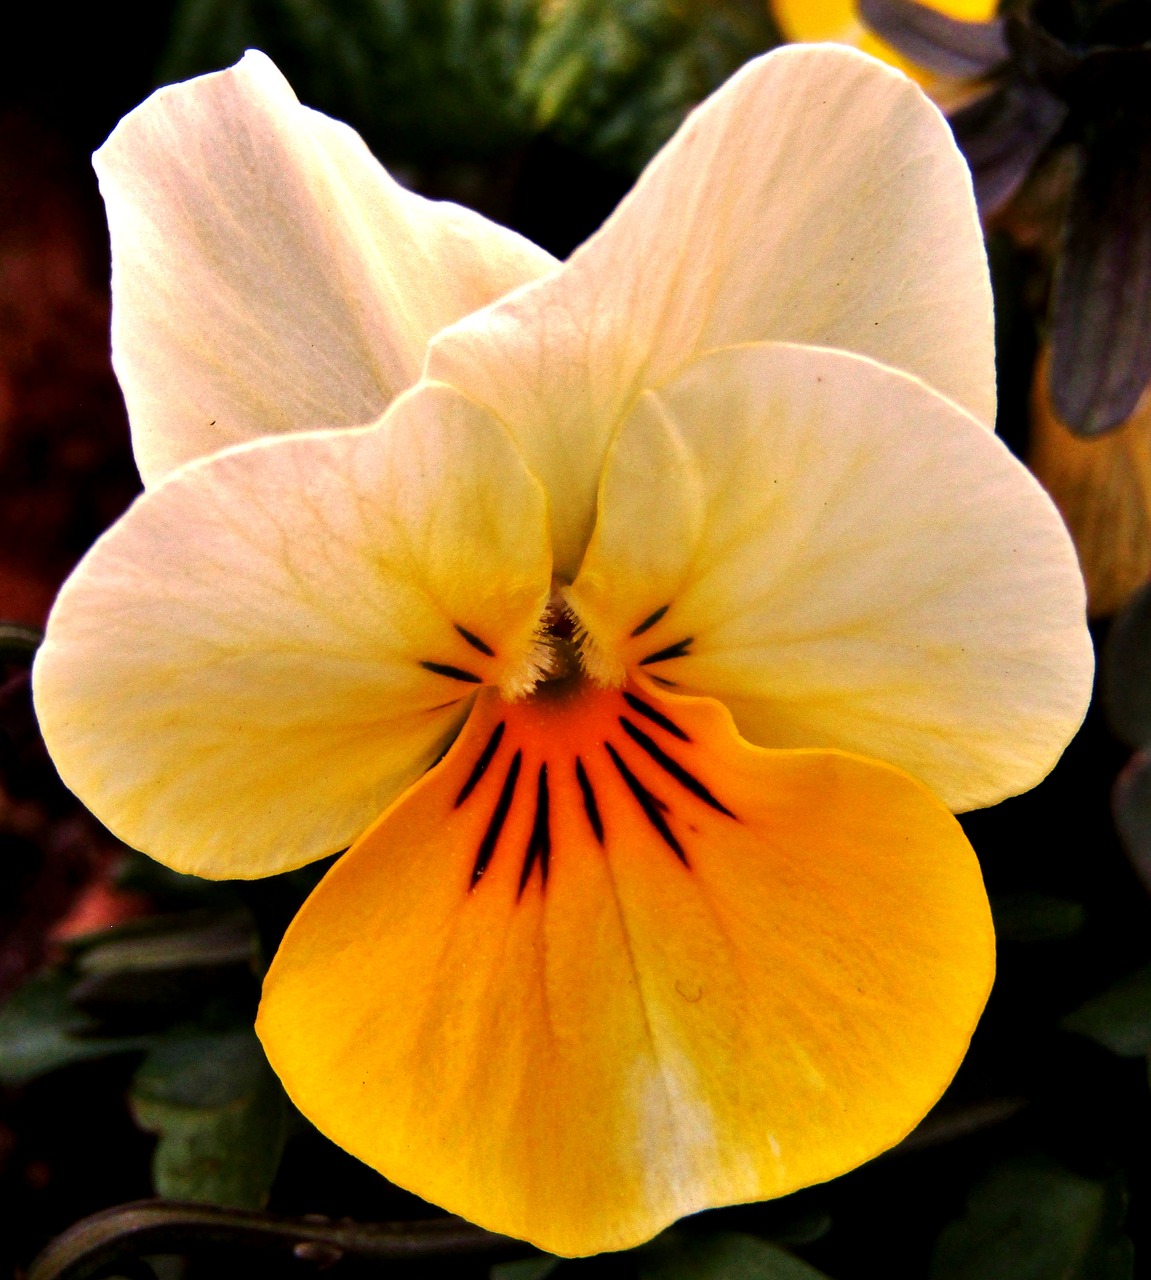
[1126, 671]
[1036, 917]
[726, 1255]
[1034, 1220]
[419, 78]
[1120, 1017]
[435, 81]
[17, 642]
[614, 79]
[220, 1115]
[1131, 805]
[170, 966]
[526, 1268]
[42, 1030]
[178, 988]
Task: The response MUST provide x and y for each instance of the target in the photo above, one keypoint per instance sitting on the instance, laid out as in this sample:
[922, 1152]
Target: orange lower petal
[607, 964]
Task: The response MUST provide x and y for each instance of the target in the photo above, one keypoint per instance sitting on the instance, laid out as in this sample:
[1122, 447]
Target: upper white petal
[817, 197]
[268, 275]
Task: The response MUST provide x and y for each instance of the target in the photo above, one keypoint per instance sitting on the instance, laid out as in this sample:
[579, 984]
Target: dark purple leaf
[1131, 805]
[1125, 671]
[1101, 301]
[1002, 134]
[947, 46]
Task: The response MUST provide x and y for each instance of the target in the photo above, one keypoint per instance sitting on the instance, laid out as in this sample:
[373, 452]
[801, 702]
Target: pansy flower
[639, 631]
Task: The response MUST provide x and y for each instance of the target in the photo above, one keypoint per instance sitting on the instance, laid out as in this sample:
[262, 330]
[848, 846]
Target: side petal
[817, 197]
[267, 274]
[663, 991]
[847, 560]
[271, 645]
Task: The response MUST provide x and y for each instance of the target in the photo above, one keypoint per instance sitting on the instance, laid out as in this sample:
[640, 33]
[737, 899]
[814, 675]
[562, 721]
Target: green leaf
[170, 890]
[220, 1114]
[614, 78]
[167, 965]
[1034, 1220]
[726, 1255]
[526, 1268]
[41, 1030]
[419, 78]
[1131, 807]
[1118, 1018]
[18, 643]
[1126, 671]
[188, 941]
[1036, 917]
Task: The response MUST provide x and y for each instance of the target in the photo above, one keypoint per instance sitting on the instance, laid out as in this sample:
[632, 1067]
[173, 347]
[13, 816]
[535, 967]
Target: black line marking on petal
[590, 804]
[452, 673]
[650, 621]
[667, 684]
[656, 717]
[672, 767]
[650, 805]
[474, 640]
[498, 818]
[540, 840]
[680, 649]
[481, 765]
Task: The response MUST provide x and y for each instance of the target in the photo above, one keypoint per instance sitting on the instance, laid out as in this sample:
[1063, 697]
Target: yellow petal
[847, 560]
[818, 20]
[839, 20]
[267, 274]
[274, 642]
[817, 197]
[703, 987]
[1103, 488]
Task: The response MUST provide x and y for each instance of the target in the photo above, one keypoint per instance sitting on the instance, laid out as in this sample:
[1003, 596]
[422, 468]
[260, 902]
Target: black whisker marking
[540, 840]
[452, 673]
[474, 640]
[590, 805]
[656, 717]
[441, 706]
[481, 765]
[649, 804]
[498, 818]
[673, 767]
[650, 621]
[680, 649]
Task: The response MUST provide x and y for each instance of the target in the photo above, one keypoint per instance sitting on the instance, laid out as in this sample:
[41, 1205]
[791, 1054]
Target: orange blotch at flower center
[574, 763]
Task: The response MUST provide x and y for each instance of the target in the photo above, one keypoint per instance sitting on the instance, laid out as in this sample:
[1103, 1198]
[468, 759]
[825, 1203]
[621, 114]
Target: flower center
[573, 766]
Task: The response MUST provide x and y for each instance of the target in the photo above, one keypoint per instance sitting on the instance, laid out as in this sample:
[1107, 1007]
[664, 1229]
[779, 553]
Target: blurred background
[127, 1065]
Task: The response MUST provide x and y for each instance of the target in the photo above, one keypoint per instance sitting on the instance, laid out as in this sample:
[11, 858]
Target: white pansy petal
[847, 560]
[267, 273]
[272, 644]
[817, 197]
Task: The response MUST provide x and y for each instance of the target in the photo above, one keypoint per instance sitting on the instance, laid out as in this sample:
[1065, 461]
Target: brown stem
[146, 1227]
